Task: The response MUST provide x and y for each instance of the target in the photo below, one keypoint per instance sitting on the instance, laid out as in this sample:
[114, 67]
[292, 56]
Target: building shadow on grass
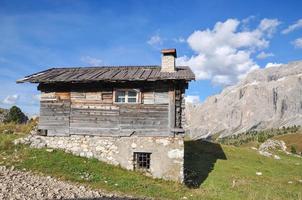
[199, 159]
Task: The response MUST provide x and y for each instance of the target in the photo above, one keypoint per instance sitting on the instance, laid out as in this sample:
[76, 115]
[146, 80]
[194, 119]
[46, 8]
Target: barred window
[142, 160]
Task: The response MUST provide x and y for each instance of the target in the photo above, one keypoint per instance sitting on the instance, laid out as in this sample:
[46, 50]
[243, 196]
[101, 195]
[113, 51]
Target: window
[142, 160]
[126, 96]
[120, 96]
[42, 132]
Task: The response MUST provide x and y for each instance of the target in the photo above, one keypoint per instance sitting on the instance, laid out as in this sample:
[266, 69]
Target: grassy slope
[225, 172]
[292, 140]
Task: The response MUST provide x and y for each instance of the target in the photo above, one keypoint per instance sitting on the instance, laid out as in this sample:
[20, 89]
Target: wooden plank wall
[92, 114]
[55, 113]
[144, 119]
[89, 112]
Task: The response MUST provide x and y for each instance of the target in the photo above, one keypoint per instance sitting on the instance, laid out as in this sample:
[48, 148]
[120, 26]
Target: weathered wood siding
[94, 112]
[55, 113]
[91, 114]
[179, 106]
[143, 119]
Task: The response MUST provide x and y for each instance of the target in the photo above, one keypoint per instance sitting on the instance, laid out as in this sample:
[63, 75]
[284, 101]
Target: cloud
[92, 61]
[297, 43]
[268, 26]
[224, 54]
[268, 65]
[293, 27]
[179, 40]
[246, 21]
[11, 99]
[155, 40]
[263, 55]
[192, 99]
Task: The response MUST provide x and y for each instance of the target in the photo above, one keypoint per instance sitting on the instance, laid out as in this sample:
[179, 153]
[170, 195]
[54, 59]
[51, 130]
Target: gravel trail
[22, 185]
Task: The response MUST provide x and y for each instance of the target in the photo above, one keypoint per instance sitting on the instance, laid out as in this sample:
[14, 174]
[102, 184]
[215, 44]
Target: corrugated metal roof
[108, 73]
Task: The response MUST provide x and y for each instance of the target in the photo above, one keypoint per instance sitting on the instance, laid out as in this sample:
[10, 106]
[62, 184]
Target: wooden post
[171, 107]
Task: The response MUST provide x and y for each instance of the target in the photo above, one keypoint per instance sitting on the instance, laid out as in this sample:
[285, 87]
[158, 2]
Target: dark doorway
[199, 159]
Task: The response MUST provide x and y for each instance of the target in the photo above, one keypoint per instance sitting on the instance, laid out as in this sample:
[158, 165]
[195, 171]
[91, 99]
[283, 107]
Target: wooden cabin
[118, 103]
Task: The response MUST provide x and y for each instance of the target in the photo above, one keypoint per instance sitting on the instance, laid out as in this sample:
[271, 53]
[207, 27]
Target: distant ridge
[266, 98]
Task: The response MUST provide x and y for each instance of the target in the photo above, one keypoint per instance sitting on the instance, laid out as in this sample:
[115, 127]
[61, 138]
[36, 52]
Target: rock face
[266, 98]
[269, 146]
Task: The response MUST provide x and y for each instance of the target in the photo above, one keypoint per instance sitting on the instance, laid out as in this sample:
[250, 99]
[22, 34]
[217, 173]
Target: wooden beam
[171, 107]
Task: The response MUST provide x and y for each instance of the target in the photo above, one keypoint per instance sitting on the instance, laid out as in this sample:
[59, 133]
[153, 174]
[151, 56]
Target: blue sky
[220, 40]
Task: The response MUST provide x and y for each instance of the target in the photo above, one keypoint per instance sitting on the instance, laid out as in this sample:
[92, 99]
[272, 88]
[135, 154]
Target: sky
[220, 40]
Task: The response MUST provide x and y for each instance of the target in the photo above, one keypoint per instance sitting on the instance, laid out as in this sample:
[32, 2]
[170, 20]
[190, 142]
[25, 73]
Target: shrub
[293, 149]
[15, 115]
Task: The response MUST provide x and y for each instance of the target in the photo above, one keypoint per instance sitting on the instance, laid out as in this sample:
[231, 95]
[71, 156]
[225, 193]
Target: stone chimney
[168, 60]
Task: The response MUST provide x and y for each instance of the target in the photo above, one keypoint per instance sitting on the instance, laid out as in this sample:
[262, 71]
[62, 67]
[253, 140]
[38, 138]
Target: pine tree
[15, 115]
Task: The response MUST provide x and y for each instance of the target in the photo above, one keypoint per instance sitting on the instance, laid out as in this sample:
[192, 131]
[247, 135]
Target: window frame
[138, 96]
[146, 162]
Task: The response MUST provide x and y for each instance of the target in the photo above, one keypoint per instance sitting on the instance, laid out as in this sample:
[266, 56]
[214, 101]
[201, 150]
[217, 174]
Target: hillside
[213, 171]
[266, 98]
[292, 140]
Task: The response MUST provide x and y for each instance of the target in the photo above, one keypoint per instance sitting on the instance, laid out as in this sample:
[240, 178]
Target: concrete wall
[166, 152]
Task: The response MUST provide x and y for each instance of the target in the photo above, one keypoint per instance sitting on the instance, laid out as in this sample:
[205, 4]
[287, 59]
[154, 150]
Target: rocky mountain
[3, 112]
[266, 98]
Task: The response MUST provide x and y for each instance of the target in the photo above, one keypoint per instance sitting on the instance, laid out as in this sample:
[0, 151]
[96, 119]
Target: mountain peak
[265, 98]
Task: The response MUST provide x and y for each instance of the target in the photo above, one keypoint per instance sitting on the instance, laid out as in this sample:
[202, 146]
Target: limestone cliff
[266, 98]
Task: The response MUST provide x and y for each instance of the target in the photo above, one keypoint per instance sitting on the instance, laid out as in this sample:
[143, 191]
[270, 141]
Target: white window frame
[126, 96]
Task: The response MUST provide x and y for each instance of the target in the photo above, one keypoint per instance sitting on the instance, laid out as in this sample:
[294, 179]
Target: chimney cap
[169, 51]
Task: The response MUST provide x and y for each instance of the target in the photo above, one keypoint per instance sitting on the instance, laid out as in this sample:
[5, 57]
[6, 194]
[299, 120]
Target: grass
[290, 140]
[216, 172]
[17, 129]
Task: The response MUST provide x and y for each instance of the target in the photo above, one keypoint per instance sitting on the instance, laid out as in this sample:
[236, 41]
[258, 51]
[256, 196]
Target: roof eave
[91, 81]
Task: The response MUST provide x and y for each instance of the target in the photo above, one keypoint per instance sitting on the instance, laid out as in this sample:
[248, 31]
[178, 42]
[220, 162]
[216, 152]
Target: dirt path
[20, 185]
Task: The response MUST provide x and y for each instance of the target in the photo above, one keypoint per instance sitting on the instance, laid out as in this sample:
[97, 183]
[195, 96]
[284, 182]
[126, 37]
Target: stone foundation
[167, 153]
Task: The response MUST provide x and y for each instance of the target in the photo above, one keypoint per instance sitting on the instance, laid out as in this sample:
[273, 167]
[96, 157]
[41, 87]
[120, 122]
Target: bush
[15, 115]
[293, 149]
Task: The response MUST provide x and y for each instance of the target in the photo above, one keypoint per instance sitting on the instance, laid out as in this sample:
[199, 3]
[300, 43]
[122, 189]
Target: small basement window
[42, 132]
[142, 160]
[127, 96]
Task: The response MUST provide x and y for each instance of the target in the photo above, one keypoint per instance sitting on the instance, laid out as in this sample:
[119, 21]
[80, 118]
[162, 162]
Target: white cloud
[192, 99]
[268, 26]
[92, 61]
[297, 43]
[155, 40]
[263, 55]
[293, 27]
[179, 40]
[11, 99]
[223, 54]
[245, 22]
[268, 65]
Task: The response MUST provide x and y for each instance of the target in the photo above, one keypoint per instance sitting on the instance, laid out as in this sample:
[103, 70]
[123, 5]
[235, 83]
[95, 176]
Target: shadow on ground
[199, 160]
